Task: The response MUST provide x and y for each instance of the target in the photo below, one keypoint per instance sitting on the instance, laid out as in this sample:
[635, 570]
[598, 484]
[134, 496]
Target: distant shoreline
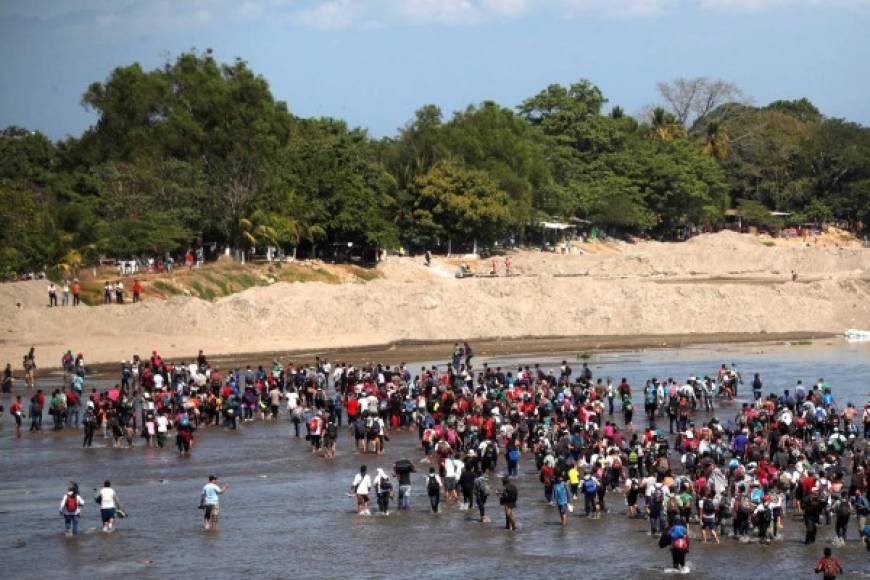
[412, 351]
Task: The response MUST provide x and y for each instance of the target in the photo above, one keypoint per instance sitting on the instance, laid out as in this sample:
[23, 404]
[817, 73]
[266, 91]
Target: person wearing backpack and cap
[71, 510]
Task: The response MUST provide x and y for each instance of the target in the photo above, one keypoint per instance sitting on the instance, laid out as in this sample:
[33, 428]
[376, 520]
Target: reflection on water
[287, 514]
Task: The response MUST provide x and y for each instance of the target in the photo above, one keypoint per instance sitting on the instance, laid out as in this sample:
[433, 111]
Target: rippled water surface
[287, 514]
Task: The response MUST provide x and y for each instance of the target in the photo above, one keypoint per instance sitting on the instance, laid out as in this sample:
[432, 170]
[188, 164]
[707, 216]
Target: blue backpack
[589, 486]
[514, 454]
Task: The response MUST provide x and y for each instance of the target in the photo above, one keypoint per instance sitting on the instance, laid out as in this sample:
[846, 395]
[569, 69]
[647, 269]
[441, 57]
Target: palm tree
[665, 125]
[716, 140]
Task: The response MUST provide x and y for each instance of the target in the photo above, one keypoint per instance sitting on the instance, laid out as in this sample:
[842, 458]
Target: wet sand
[434, 350]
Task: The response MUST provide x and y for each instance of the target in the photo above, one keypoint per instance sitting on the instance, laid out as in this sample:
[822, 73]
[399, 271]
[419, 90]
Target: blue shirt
[211, 492]
[560, 493]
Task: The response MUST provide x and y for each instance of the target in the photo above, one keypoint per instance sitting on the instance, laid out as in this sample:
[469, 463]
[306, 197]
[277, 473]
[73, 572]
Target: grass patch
[367, 275]
[166, 288]
[204, 292]
[802, 343]
[768, 243]
[585, 355]
[294, 273]
[321, 275]
[221, 283]
[245, 281]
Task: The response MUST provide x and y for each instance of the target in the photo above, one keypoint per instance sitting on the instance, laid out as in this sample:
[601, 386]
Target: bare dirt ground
[726, 284]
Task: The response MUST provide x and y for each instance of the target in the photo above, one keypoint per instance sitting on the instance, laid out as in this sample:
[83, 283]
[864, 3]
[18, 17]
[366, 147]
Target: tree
[28, 236]
[556, 109]
[690, 99]
[716, 140]
[756, 214]
[665, 125]
[460, 204]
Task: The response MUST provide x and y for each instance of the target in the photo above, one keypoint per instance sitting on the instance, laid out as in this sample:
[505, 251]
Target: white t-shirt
[292, 400]
[158, 382]
[107, 498]
[162, 424]
[362, 483]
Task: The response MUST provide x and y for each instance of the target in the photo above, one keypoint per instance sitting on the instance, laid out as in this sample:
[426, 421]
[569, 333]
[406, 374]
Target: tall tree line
[200, 152]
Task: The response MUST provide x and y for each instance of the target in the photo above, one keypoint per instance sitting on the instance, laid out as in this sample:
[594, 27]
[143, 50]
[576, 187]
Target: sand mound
[722, 283]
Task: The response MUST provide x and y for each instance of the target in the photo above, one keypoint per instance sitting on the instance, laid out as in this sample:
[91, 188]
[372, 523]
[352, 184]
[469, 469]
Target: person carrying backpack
[481, 494]
[708, 517]
[384, 489]
[71, 510]
[842, 513]
[678, 538]
[513, 459]
[829, 566]
[656, 507]
[589, 487]
[433, 489]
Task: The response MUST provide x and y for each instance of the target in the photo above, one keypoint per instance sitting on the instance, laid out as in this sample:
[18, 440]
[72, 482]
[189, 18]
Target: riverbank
[580, 347]
[724, 285]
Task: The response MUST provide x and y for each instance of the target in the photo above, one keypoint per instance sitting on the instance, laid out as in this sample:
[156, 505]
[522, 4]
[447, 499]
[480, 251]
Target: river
[287, 514]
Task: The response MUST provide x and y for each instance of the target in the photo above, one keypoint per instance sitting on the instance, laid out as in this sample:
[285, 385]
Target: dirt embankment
[722, 283]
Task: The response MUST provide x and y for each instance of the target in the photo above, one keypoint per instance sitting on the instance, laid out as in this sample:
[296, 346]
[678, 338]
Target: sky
[375, 62]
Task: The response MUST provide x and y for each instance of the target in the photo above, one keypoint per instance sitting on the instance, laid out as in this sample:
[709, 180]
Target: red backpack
[72, 503]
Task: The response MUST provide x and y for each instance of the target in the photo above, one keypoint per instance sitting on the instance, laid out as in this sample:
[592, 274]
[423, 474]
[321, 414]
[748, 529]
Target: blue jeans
[71, 520]
[404, 494]
[512, 468]
[656, 521]
[73, 415]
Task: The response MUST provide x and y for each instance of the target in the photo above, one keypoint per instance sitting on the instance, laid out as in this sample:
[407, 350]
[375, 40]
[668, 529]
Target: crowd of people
[688, 474]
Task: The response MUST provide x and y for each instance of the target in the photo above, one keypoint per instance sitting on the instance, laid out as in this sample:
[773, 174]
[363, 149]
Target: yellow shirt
[573, 476]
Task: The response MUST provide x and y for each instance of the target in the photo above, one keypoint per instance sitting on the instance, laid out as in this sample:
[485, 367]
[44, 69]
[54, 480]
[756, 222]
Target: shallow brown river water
[287, 515]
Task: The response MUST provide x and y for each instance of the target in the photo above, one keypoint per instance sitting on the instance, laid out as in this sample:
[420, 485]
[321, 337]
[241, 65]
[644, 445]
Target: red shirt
[16, 408]
[137, 288]
[820, 567]
[76, 288]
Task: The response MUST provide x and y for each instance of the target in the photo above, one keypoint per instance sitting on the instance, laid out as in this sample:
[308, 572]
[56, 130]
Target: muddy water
[287, 514]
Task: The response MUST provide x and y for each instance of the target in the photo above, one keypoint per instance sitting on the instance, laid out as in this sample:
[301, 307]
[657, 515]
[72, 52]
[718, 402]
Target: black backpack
[432, 486]
[843, 510]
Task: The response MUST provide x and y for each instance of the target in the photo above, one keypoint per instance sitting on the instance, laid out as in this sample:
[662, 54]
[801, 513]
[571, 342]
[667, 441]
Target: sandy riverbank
[726, 285]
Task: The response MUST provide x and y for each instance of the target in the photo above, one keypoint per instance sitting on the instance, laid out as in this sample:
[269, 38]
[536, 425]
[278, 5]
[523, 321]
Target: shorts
[107, 514]
[709, 523]
[563, 509]
[451, 483]
[362, 498]
[211, 512]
